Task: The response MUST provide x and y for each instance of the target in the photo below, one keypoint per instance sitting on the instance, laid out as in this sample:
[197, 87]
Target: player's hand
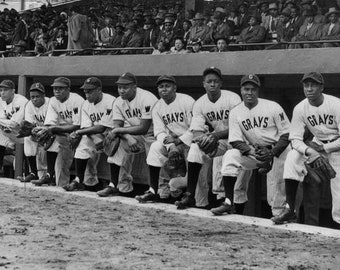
[174, 153]
[262, 153]
[312, 154]
[317, 147]
[170, 139]
[111, 135]
[251, 152]
[133, 144]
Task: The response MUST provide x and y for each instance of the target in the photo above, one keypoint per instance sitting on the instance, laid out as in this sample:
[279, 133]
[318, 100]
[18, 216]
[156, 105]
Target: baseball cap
[7, 84]
[214, 70]
[61, 82]
[251, 78]
[166, 78]
[315, 76]
[127, 78]
[37, 87]
[91, 83]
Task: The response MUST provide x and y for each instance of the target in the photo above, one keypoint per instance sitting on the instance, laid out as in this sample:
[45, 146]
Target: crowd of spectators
[165, 27]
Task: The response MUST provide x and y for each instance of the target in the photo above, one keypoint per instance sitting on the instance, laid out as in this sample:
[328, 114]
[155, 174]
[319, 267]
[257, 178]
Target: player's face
[127, 91]
[37, 98]
[167, 91]
[212, 85]
[61, 93]
[92, 95]
[250, 93]
[312, 90]
[7, 94]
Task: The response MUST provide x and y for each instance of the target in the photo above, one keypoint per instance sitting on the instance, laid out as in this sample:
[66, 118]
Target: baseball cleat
[74, 186]
[108, 191]
[45, 180]
[148, 196]
[186, 201]
[224, 208]
[286, 216]
[29, 178]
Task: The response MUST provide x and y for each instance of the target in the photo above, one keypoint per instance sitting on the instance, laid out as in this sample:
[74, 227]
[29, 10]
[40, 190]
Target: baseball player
[132, 123]
[258, 133]
[35, 113]
[171, 117]
[211, 109]
[96, 115]
[320, 114]
[62, 117]
[12, 111]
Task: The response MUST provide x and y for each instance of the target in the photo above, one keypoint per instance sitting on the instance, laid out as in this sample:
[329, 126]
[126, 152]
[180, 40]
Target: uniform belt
[328, 141]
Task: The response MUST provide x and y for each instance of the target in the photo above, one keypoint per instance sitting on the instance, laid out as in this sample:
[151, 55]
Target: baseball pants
[294, 168]
[233, 162]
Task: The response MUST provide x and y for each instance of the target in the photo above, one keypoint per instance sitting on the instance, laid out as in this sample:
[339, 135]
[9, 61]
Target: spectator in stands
[331, 30]
[79, 30]
[180, 46]
[232, 19]
[163, 47]
[263, 7]
[219, 29]
[221, 45]
[131, 38]
[270, 23]
[186, 26]
[159, 19]
[196, 46]
[243, 17]
[43, 46]
[167, 33]
[285, 30]
[96, 38]
[21, 32]
[107, 33]
[117, 38]
[296, 19]
[309, 31]
[151, 33]
[305, 5]
[199, 30]
[319, 17]
[60, 41]
[255, 33]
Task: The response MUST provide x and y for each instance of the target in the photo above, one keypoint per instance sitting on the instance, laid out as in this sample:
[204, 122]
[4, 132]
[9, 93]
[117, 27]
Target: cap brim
[88, 87]
[6, 86]
[165, 80]
[250, 81]
[311, 78]
[208, 71]
[36, 89]
[124, 81]
[58, 84]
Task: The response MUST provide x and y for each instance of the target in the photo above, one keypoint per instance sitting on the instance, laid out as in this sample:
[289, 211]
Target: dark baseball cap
[214, 70]
[166, 78]
[7, 84]
[315, 76]
[127, 78]
[37, 87]
[251, 78]
[91, 83]
[61, 82]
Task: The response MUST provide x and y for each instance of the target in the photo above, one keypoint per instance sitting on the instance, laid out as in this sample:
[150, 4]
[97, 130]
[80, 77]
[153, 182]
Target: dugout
[280, 72]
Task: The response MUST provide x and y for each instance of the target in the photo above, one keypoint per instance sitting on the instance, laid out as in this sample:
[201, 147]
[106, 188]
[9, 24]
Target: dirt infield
[44, 230]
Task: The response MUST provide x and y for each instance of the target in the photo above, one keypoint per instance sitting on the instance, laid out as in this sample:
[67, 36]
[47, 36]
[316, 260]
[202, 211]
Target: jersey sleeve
[52, 117]
[85, 117]
[335, 145]
[117, 111]
[148, 103]
[29, 113]
[235, 131]
[159, 129]
[297, 129]
[198, 119]
[77, 108]
[281, 120]
[19, 114]
[107, 119]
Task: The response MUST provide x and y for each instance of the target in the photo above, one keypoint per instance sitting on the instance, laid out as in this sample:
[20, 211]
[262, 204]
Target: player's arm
[97, 129]
[335, 145]
[282, 123]
[140, 129]
[63, 129]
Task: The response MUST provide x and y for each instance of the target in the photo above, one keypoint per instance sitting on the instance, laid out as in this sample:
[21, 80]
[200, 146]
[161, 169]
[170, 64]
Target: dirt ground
[43, 230]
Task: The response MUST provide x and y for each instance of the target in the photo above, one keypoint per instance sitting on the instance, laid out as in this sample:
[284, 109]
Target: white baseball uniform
[36, 115]
[63, 113]
[324, 123]
[262, 125]
[11, 115]
[92, 115]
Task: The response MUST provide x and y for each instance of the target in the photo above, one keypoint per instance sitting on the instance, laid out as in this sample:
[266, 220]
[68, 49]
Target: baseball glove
[74, 140]
[320, 170]
[110, 146]
[25, 129]
[43, 136]
[175, 166]
[208, 143]
[263, 153]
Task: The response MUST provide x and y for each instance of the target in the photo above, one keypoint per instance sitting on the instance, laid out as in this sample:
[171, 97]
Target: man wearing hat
[171, 118]
[331, 30]
[131, 38]
[96, 117]
[167, 34]
[21, 32]
[258, 133]
[211, 110]
[35, 113]
[284, 29]
[219, 29]
[62, 118]
[199, 30]
[243, 17]
[132, 123]
[117, 38]
[270, 22]
[12, 112]
[255, 33]
[151, 33]
[309, 31]
[108, 32]
[319, 114]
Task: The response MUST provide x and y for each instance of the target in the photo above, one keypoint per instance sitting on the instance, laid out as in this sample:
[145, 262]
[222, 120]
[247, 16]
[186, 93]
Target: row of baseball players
[174, 123]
